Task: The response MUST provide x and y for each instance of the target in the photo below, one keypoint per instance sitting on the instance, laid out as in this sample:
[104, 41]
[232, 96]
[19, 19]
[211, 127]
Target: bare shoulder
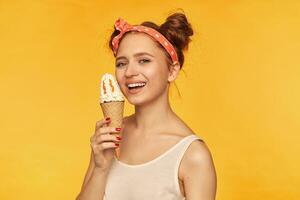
[197, 153]
[198, 171]
[197, 156]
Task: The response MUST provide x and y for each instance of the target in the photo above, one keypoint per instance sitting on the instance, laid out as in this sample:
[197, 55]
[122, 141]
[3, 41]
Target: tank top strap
[175, 155]
[183, 146]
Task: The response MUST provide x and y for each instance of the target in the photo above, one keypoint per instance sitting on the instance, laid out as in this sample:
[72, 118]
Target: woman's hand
[103, 144]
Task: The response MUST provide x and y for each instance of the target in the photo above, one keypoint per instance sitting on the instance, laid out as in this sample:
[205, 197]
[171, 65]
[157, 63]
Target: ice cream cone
[112, 103]
[114, 110]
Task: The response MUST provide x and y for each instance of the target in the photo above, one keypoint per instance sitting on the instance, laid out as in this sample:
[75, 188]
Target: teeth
[135, 84]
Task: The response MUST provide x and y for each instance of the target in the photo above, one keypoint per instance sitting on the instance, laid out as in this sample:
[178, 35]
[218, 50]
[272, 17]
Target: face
[139, 60]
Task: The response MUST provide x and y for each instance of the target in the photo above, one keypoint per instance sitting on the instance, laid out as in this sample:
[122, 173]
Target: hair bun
[178, 30]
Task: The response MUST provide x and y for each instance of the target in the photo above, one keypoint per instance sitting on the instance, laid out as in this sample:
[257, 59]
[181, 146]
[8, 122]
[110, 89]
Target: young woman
[160, 156]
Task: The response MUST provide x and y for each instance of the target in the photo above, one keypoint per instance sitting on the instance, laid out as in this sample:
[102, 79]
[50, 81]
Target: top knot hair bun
[178, 30]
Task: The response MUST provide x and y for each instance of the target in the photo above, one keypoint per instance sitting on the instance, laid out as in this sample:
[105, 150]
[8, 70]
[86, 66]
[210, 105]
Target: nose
[131, 70]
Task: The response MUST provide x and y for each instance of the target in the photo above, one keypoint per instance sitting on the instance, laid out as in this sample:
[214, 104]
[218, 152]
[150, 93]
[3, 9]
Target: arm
[200, 180]
[89, 171]
[94, 182]
[95, 186]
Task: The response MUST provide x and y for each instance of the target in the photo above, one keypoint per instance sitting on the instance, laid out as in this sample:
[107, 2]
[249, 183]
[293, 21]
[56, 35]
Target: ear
[173, 72]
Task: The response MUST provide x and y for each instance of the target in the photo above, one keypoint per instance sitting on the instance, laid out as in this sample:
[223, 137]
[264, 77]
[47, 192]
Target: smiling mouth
[136, 85]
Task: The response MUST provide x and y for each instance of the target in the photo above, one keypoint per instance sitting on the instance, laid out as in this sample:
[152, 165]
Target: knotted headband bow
[124, 27]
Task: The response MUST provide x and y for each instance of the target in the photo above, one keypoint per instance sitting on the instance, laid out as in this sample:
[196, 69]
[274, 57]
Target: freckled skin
[155, 72]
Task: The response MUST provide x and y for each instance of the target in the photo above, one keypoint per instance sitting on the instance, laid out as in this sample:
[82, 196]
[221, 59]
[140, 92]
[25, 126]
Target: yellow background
[240, 92]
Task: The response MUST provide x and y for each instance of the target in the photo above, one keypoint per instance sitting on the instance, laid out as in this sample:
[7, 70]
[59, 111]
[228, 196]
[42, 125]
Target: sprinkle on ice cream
[109, 89]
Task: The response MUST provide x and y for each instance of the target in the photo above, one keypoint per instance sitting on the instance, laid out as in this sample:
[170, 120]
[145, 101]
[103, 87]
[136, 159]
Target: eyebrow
[136, 55]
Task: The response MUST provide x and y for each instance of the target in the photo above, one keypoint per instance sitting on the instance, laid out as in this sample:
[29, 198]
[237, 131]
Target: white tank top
[156, 179]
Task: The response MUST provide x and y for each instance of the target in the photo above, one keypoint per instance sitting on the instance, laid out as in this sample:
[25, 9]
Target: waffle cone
[114, 110]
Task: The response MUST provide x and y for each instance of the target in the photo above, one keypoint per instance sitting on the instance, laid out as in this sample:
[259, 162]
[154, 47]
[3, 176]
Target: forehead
[134, 42]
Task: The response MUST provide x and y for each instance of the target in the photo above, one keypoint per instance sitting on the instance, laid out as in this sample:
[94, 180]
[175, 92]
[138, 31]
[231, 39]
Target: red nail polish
[119, 138]
[117, 144]
[107, 118]
[118, 129]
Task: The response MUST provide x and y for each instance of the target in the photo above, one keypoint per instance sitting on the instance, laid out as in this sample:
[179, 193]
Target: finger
[105, 130]
[107, 145]
[102, 122]
[103, 146]
[108, 138]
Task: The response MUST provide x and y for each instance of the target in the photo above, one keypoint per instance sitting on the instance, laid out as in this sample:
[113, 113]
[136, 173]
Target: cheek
[158, 77]
[119, 77]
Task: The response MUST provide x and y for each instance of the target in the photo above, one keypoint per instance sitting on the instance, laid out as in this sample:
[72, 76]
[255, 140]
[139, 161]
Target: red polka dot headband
[124, 27]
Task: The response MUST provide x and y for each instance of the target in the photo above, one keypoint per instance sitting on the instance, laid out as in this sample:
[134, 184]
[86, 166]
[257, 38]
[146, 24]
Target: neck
[153, 115]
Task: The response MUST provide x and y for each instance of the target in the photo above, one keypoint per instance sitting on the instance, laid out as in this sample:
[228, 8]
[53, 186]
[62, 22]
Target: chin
[136, 101]
[142, 98]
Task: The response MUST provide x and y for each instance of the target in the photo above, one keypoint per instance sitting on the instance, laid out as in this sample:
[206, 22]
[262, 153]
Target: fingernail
[107, 118]
[117, 144]
[119, 138]
[118, 129]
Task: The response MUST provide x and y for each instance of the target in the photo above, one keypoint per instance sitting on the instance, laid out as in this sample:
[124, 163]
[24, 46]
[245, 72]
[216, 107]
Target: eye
[120, 64]
[144, 61]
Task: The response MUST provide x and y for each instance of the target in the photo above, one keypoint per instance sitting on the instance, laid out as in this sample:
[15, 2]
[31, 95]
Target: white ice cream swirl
[109, 89]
